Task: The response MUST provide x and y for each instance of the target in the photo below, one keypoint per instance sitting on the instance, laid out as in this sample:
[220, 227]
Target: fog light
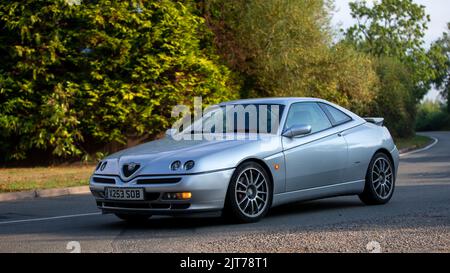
[170, 196]
[177, 195]
[184, 195]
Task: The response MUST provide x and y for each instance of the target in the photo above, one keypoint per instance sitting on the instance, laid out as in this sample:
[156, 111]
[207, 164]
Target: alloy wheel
[251, 192]
[382, 177]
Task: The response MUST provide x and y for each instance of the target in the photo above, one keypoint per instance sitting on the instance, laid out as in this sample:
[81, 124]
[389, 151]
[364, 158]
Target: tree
[440, 52]
[432, 116]
[285, 48]
[394, 100]
[78, 74]
[394, 28]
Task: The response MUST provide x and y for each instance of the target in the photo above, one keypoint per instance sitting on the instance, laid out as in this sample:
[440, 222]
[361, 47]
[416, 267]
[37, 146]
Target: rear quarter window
[338, 117]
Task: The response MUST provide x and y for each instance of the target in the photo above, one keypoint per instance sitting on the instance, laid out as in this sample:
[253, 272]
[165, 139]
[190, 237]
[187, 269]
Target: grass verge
[23, 179]
[412, 143]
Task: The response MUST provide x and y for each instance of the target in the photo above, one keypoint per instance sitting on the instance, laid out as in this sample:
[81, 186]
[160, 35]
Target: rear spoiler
[376, 121]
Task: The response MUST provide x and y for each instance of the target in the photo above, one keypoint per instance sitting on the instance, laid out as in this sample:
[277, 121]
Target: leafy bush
[394, 100]
[393, 31]
[284, 48]
[440, 53]
[432, 116]
[77, 74]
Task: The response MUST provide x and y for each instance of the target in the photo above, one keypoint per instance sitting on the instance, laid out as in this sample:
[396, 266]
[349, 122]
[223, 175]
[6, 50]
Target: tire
[133, 218]
[380, 181]
[249, 196]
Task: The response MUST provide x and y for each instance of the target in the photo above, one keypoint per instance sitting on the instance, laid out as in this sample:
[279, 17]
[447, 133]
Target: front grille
[129, 169]
[180, 206]
[160, 206]
[158, 181]
[104, 180]
[152, 196]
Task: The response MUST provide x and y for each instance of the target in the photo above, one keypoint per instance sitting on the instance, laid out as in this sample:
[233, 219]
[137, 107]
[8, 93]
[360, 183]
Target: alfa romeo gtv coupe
[312, 149]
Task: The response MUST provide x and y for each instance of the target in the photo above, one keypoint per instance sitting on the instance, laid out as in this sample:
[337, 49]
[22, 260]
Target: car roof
[287, 101]
[278, 100]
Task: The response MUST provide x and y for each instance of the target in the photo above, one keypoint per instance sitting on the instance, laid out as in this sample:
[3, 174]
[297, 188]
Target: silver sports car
[312, 149]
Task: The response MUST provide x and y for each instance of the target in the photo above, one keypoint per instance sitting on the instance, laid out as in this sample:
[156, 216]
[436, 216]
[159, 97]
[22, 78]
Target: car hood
[168, 147]
[156, 156]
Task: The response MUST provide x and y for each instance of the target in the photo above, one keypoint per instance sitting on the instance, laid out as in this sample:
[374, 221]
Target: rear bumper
[208, 193]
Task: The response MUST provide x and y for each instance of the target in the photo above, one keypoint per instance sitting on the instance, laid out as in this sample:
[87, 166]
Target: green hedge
[432, 116]
[75, 75]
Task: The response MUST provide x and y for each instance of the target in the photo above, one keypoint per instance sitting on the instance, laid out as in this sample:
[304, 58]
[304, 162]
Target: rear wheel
[249, 194]
[133, 218]
[380, 181]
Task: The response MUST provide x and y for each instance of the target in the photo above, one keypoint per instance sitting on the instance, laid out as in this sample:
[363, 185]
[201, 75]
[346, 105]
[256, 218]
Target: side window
[338, 116]
[307, 114]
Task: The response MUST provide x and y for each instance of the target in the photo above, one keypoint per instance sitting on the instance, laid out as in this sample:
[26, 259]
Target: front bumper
[208, 193]
[396, 157]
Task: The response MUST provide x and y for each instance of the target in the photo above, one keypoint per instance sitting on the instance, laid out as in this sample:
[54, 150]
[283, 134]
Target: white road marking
[423, 149]
[49, 218]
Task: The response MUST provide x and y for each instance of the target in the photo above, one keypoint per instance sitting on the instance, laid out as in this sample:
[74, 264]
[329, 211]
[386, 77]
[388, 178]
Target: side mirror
[297, 130]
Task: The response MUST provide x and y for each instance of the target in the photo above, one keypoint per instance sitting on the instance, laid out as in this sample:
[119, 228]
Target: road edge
[429, 146]
[12, 196]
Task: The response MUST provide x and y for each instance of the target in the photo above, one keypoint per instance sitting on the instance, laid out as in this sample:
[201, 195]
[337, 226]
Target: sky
[439, 11]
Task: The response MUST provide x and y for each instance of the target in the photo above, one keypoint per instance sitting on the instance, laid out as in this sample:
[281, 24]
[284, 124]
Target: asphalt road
[416, 220]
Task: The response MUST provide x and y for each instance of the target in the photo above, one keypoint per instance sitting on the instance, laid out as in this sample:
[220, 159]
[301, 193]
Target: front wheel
[380, 181]
[249, 195]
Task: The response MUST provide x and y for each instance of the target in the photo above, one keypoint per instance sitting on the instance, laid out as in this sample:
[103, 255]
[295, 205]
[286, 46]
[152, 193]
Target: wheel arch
[369, 195]
[386, 152]
[389, 155]
[263, 165]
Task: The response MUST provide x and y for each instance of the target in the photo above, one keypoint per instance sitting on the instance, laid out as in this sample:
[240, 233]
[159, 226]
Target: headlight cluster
[101, 165]
[175, 165]
[187, 165]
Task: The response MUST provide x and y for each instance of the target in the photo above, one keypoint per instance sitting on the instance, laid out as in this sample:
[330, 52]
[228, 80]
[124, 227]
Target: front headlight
[103, 166]
[175, 165]
[189, 165]
[98, 165]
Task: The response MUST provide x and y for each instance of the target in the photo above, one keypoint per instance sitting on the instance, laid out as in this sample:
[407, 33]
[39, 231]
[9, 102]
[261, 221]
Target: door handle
[339, 134]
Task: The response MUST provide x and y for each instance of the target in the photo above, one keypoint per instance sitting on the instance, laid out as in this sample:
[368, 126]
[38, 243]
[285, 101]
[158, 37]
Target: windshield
[241, 118]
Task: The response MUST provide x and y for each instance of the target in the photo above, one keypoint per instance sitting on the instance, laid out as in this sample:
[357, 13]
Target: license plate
[124, 194]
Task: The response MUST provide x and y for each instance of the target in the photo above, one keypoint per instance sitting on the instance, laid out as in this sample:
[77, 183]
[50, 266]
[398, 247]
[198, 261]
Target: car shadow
[305, 207]
[215, 219]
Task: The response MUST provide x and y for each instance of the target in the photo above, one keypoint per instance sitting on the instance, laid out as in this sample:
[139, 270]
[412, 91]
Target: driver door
[317, 159]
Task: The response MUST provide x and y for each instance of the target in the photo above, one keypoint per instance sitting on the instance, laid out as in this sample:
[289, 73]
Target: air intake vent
[104, 180]
[158, 181]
